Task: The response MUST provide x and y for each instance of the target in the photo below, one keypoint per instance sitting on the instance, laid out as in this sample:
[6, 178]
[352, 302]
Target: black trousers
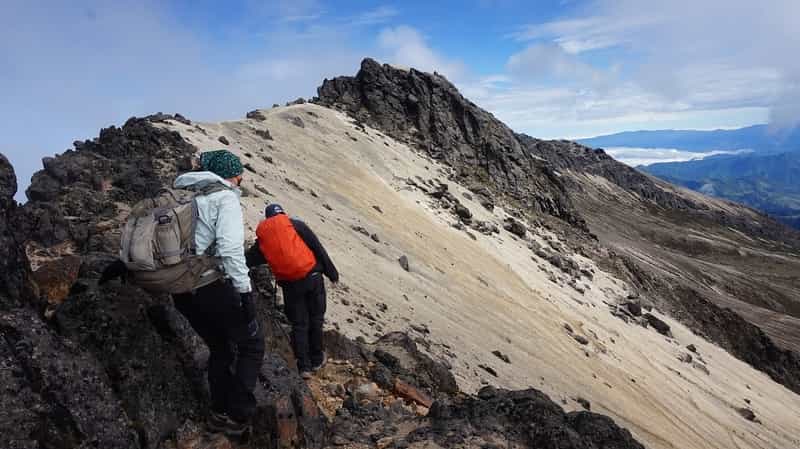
[304, 304]
[236, 342]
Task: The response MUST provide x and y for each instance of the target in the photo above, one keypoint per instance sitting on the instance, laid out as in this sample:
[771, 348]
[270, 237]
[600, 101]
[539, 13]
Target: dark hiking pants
[304, 305]
[218, 315]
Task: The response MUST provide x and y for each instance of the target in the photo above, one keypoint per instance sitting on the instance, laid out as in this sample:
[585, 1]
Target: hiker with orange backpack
[297, 260]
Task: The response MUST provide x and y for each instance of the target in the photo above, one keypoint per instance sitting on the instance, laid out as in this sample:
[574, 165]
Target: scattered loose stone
[581, 339]
[501, 356]
[223, 140]
[264, 134]
[406, 391]
[293, 184]
[747, 414]
[634, 308]
[700, 367]
[660, 326]
[256, 115]
[584, 403]
[403, 261]
[421, 328]
[488, 369]
[360, 230]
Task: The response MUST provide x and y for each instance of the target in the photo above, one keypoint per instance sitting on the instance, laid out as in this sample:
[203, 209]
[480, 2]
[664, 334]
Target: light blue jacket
[220, 220]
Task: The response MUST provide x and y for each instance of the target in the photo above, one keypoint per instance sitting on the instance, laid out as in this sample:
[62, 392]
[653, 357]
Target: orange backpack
[287, 254]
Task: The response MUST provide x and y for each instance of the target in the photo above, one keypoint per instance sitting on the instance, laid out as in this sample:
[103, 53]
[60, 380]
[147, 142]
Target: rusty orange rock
[406, 391]
[55, 278]
[286, 422]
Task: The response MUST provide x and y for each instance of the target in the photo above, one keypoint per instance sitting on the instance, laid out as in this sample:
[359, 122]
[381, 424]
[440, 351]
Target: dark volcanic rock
[658, 325]
[54, 394]
[429, 111]
[501, 356]
[223, 140]
[528, 418]
[515, 227]
[153, 362]
[747, 414]
[634, 308]
[256, 115]
[403, 261]
[75, 197]
[463, 212]
[16, 288]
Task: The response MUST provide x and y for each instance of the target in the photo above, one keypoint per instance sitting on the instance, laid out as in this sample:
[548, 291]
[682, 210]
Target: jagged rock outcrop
[79, 194]
[429, 112]
[54, 393]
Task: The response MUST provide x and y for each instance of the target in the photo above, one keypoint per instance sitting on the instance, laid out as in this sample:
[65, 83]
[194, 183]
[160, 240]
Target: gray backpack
[158, 245]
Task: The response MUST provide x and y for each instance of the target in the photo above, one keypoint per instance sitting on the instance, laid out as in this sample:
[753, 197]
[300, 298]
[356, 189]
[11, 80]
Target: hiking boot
[222, 423]
[322, 363]
[306, 375]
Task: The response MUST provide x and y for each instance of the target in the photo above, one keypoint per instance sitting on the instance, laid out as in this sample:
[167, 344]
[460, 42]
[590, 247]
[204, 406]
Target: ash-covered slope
[691, 255]
[110, 366]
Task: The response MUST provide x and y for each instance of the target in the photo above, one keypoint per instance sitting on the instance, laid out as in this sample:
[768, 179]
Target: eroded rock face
[54, 393]
[79, 194]
[429, 112]
[15, 286]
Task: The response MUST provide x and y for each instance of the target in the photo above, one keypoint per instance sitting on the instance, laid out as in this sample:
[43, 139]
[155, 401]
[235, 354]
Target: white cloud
[648, 156]
[704, 54]
[551, 63]
[67, 70]
[405, 46]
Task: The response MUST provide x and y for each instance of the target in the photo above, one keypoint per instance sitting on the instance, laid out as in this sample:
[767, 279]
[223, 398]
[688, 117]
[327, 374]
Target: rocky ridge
[110, 366]
[539, 180]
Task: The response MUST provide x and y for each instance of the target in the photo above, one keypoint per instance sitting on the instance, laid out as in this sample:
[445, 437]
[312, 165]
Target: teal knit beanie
[223, 163]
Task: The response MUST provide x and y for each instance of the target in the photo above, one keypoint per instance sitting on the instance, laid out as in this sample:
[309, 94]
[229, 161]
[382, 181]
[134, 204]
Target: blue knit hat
[223, 163]
[273, 210]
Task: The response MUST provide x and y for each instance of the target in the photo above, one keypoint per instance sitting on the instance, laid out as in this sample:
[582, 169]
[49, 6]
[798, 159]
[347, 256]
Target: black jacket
[324, 263]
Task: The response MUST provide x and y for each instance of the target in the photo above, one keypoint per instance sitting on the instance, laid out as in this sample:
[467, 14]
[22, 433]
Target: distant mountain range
[759, 138]
[766, 178]
[769, 183]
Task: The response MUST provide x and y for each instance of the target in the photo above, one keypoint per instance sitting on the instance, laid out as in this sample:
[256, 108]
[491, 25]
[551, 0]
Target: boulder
[657, 324]
[55, 278]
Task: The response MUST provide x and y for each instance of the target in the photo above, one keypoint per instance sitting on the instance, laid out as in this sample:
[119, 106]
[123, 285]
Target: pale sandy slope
[489, 294]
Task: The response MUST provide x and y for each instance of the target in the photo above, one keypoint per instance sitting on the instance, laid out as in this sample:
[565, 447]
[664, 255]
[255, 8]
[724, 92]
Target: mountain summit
[497, 290]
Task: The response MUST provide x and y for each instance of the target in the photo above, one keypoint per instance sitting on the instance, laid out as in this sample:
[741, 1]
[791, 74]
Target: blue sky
[552, 69]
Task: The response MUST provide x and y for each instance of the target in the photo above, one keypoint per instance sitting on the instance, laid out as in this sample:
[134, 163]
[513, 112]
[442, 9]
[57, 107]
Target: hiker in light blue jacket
[222, 313]
[220, 223]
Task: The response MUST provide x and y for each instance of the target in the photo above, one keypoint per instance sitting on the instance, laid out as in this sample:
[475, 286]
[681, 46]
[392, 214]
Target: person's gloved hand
[249, 310]
[115, 270]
